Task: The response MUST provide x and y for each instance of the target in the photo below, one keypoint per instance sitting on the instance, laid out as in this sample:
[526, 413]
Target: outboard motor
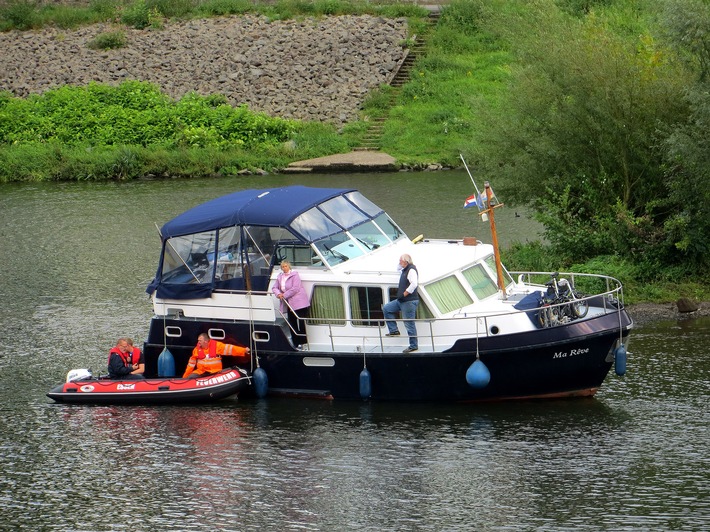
[79, 375]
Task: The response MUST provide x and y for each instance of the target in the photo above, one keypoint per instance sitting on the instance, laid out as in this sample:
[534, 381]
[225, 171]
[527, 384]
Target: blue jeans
[409, 312]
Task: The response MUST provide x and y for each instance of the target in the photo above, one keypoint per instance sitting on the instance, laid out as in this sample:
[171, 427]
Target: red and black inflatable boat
[81, 387]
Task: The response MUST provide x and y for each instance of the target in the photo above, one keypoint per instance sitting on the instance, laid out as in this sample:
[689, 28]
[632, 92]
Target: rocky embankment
[311, 69]
[649, 312]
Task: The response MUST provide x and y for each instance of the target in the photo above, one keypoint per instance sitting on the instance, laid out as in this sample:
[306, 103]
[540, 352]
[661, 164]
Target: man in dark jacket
[406, 303]
[125, 362]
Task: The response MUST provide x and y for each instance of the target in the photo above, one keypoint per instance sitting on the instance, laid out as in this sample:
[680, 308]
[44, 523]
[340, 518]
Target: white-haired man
[406, 303]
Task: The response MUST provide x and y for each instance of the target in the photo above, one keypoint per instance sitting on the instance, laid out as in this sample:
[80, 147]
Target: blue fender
[365, 384]
[477, 375]
[620, 360]
[261, 382]
[166, 364]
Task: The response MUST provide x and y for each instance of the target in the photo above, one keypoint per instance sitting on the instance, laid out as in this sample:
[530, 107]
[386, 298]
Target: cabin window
[448, 294]
[369, 235]
[423, 312]
[507, 279]
[327, 306]
[366, 306]
[189, 258]
[480, 282]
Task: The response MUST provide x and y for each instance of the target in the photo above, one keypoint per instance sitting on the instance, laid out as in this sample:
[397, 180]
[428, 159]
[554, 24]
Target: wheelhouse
[234, 242]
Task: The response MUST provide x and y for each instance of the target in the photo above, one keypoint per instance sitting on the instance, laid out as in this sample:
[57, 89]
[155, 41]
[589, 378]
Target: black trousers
[298, 325]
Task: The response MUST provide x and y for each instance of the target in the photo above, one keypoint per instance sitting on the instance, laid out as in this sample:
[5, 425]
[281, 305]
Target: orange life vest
[129, 358]
[210, 361]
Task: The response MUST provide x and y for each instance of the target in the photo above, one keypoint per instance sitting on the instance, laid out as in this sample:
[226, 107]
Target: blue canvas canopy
[267, 207]
[188, 278]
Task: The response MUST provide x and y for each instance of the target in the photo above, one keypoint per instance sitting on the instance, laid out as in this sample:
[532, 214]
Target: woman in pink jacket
[288, 289]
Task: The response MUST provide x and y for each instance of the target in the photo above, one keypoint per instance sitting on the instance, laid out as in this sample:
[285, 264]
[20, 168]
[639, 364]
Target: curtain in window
[423, 312]
[356, 306]
[448, 294]
[482, 285]
[327, 305]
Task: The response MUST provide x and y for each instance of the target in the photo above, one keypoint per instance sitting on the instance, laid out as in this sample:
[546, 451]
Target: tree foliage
[688, 146]
[581, 135]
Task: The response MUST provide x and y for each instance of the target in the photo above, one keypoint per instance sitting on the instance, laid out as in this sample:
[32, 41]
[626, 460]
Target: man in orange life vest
[207, 356]
[125, 362]
[136, 354]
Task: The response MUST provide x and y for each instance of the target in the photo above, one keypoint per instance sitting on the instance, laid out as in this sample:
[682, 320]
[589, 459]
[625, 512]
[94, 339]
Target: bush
[135, 113]
[19, 14]
[108, 40]
[142, 15]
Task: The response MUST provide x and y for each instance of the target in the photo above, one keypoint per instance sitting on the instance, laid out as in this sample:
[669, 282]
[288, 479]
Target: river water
[75, 260]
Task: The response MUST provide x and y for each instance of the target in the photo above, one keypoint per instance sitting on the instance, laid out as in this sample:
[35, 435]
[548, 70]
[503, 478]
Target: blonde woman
[288, 289]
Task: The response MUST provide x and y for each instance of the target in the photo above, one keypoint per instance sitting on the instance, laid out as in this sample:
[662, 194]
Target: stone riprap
[311, 69]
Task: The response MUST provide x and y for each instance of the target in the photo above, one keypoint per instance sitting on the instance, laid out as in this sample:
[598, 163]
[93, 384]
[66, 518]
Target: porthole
[217, 334]
[173, 332]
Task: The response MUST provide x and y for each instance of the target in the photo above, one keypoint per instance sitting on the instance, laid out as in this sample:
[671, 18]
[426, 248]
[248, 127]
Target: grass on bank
[27, 14]
[461, 77]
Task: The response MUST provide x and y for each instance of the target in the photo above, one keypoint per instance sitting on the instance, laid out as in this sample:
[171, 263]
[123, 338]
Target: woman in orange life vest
[125, 362]
[207, 356]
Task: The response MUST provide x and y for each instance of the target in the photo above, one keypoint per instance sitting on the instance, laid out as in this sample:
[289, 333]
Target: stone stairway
[371, 139]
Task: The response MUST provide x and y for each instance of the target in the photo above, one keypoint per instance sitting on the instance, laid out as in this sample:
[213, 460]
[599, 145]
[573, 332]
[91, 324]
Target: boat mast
[494, 234]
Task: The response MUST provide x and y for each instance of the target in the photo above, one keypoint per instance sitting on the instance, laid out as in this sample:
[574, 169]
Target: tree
[688, 147]
[580, 137]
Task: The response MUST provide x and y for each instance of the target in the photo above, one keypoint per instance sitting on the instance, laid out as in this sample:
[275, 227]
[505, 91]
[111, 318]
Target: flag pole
[478, 193]
[494, 236]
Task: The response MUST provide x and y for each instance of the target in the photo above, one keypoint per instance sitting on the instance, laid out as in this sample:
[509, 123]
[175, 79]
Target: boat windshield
[364, 204]
[507, 278]
[369, 235]
[343, 212]
[339, 248]
[391, 229]
[313, 224]
[355, 214]
[479, 281]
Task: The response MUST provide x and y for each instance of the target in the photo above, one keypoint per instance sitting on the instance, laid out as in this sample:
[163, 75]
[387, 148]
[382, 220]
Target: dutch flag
[472, 201]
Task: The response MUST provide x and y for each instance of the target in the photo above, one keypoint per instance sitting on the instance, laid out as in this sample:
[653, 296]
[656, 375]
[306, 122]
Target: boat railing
[591, 286]
[604, 293]
[439, 333]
